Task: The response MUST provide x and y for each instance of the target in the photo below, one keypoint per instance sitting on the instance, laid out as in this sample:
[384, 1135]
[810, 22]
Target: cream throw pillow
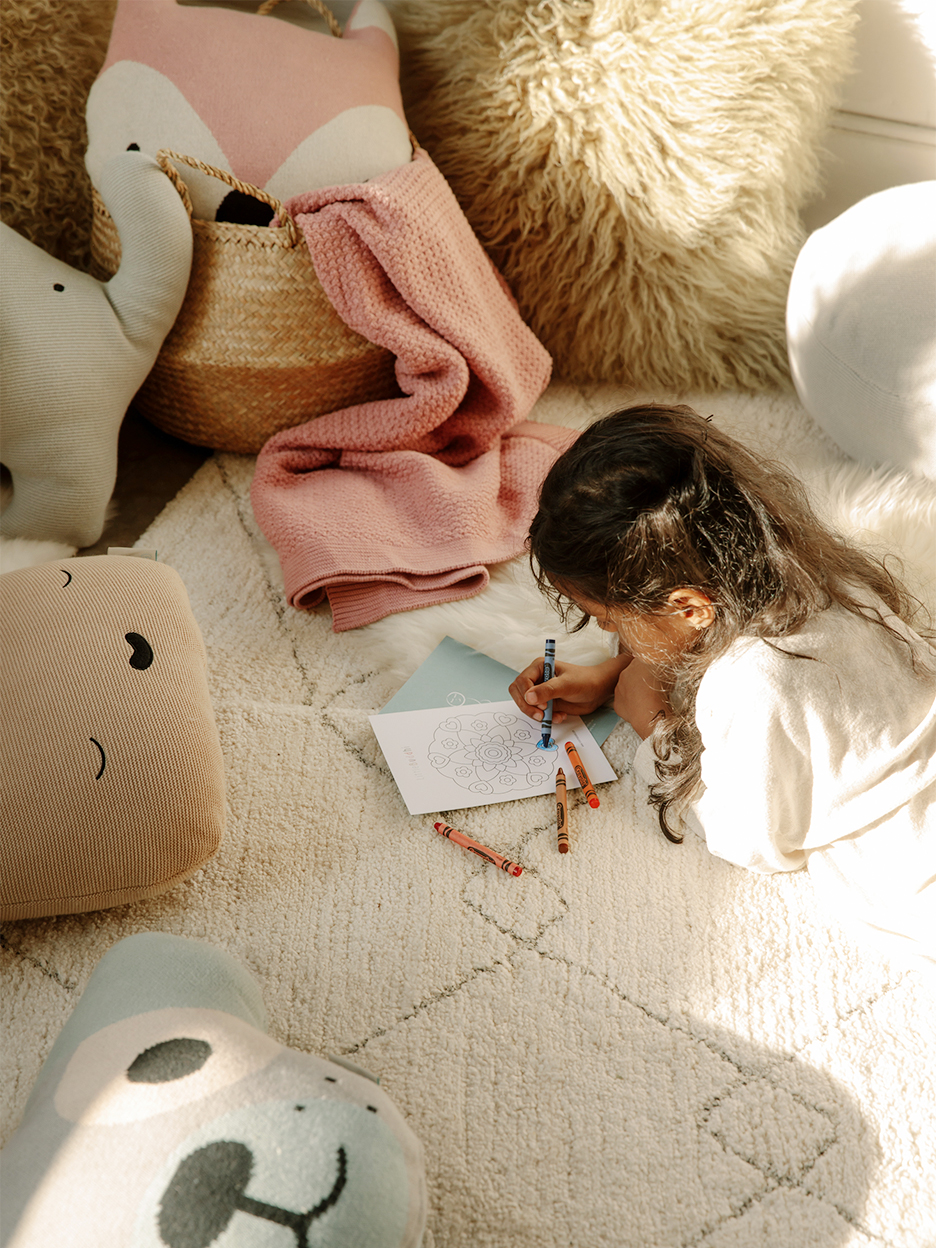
[635, 170]
[861, 328]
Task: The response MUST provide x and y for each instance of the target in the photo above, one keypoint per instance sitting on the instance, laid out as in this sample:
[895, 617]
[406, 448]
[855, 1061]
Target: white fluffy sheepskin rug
[635, 168]
[631, 1045]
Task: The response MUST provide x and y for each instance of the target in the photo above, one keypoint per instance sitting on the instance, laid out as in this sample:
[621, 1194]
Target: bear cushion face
[209, 1126]
[166, 1117]
[283, 108]
[111, 766]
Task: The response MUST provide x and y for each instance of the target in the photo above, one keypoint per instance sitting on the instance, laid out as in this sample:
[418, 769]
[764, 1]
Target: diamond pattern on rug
[740, 1121]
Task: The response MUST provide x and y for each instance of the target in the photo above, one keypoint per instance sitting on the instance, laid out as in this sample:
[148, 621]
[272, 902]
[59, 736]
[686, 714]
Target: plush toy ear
[110, 762]
[74, 351]
[165, 1117]
[281, 107]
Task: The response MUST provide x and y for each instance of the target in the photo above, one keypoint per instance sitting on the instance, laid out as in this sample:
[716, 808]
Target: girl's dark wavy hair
[654, 498]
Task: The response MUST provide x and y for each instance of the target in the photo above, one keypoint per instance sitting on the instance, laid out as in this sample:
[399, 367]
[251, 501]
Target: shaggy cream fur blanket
[50, 54]
[636, 170]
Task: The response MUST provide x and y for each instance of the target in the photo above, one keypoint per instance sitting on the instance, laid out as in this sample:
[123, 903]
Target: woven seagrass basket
[257, 347]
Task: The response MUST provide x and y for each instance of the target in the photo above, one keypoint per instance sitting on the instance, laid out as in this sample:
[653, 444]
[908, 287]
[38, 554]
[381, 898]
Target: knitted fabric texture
[399, 503]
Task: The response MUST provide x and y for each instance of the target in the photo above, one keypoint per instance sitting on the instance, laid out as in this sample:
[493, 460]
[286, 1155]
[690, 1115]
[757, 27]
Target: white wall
[884, 133]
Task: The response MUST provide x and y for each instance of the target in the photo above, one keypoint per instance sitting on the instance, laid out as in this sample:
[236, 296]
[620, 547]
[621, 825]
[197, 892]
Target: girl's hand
[573, 690]
[639, 697]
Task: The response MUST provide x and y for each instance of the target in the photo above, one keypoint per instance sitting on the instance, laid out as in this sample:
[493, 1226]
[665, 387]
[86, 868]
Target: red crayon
[489, 855]
[587, 787]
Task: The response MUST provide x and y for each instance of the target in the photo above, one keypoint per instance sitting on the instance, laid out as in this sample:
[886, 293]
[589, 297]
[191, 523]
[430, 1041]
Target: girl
[788, 708]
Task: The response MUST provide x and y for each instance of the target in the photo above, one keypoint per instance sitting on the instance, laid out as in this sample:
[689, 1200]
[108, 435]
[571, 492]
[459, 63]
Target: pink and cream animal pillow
[282, 107]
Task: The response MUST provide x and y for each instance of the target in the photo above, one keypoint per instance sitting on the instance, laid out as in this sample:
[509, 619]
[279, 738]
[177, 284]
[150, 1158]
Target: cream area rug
[634, 1044]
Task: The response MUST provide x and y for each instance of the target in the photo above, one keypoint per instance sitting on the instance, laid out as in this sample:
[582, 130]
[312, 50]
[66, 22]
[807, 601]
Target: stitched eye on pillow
[142, 656]
[156, 1062]
[168, 1060]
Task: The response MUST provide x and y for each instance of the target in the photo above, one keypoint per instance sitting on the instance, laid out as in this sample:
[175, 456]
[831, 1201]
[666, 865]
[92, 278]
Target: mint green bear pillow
[166, 1117]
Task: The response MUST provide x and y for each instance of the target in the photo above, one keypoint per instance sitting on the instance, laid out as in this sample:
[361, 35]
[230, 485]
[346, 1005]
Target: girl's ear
[693, 607]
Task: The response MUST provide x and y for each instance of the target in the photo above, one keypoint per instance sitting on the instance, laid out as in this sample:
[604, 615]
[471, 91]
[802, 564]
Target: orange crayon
[489, 855]
[562, 812]
[587, 787]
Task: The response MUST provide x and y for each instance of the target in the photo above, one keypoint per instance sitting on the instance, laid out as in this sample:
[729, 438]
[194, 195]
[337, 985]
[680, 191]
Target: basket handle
[322, 9]
[165, 156]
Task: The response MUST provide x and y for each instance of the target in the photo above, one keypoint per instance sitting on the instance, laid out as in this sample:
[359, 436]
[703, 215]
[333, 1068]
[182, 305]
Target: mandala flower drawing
[490, 752]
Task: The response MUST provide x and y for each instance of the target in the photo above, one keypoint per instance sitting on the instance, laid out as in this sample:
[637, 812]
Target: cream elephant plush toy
[74, 351]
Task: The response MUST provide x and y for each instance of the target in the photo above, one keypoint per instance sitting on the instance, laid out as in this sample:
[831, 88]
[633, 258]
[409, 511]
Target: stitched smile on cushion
[102, 757]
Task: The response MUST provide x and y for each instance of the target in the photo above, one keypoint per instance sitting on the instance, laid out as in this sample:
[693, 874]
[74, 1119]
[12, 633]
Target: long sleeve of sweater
[802, 752]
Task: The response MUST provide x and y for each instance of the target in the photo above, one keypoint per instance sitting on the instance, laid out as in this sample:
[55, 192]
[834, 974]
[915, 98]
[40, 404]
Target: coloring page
[448, 758]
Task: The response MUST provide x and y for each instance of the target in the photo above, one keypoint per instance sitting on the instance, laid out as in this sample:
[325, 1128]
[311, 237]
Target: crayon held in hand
[489, 855]
[562, 812]
[579, 767]
[549, 670]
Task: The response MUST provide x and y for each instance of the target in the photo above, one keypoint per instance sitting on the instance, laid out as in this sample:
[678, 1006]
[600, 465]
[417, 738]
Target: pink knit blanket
[400, 503]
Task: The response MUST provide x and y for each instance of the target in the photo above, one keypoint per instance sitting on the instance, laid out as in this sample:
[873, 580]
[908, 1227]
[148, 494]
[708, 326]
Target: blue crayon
[549, 667]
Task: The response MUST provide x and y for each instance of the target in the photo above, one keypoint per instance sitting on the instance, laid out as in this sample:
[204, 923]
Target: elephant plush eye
[58, 286]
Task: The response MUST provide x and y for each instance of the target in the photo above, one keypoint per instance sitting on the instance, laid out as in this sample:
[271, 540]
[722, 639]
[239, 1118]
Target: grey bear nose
[207, 1189]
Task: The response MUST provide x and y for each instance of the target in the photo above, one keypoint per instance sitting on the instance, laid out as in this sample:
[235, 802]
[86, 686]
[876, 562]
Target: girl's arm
[754, 809]
[574, 690]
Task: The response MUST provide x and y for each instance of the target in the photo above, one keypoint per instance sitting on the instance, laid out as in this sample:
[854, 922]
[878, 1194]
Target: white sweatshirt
[828, 762]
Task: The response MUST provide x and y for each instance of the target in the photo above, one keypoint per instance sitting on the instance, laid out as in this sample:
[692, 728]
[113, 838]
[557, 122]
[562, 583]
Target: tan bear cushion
[111, 776]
